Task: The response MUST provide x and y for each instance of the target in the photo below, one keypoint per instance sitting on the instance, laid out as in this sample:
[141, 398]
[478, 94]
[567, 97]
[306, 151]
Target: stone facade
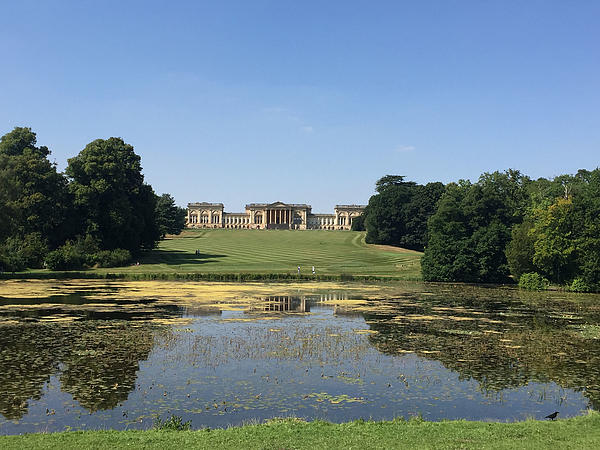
[278, 215]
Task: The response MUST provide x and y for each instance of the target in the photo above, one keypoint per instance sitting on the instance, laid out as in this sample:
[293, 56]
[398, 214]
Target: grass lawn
[580, 432]
[276, 251]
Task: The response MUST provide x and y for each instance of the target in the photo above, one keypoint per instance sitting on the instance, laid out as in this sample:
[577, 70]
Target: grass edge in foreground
[577, 432]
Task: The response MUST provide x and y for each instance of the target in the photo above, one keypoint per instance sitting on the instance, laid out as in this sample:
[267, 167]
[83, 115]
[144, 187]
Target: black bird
[552, 416]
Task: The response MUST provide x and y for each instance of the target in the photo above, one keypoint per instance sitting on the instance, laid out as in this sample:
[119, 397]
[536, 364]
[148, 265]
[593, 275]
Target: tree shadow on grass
[178, 257]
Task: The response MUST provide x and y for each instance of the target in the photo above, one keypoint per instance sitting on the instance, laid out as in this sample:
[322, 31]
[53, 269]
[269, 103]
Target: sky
[307, 101]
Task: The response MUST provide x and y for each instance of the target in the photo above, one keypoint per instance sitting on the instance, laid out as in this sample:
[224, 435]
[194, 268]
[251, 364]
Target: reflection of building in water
[345, 311]
[332, 296]
[284, 303]
[339, 310]
[199, 311]
[297, 303]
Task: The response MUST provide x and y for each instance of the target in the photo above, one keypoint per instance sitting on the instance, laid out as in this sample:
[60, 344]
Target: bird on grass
[552, 416]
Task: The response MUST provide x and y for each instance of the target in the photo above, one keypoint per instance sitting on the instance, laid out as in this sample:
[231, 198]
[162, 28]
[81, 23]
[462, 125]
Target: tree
[586, 208]
[555, 240]
[417, 212]
[471, 228]
[33, 195]
[358, 223]
[520, 249]
[114, 204]
[448, 255]
[170, 218]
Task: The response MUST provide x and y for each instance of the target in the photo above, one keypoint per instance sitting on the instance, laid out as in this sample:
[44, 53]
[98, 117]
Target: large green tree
[398, 213]
[170, 218]
[469, 232]
[33, 195]
[115, 206]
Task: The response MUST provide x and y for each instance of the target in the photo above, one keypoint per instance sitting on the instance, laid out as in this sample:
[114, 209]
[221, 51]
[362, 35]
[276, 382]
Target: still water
[96, 354]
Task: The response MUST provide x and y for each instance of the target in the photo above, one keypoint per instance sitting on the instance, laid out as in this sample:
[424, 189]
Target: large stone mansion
[278, 215]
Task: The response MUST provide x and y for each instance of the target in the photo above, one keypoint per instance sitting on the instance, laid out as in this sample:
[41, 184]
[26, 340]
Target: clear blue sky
[307, 101]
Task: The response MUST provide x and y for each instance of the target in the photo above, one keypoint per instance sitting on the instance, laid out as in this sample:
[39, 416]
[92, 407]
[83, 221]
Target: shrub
[16, 254]
[67, 257]
[112, 258]
[533, 281]
[581, 285]
[173, 423]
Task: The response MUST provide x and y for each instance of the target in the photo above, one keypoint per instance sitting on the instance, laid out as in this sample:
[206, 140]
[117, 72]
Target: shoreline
[197, 276]
[577, 432]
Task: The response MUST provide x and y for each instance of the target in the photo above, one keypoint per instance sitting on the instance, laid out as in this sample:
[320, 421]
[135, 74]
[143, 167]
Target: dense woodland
[100, 212]
[504, 227]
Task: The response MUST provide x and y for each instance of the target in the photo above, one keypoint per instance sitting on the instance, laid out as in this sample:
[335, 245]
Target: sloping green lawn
[277, 251]
[578, 433]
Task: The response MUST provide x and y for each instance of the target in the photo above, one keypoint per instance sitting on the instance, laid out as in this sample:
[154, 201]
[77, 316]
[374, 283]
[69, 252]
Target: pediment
[277, 205]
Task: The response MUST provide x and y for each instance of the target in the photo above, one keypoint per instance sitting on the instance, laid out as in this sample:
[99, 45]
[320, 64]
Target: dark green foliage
[67, 257]
[471, 228]
[74, 254]
[580, 285]
[11, 257]
[533, 281]
[520, 250]
[18, 253]
[33, 195]
[448, 256]
[114, 204]
[169, 217]
[112, 258]
[560, 236]
[358, 223]
[586, 208]
[555, 240]
[398, 213]
[417, 212]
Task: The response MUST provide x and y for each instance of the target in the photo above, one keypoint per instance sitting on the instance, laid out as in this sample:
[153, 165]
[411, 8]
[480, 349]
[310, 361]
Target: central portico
[279, 215]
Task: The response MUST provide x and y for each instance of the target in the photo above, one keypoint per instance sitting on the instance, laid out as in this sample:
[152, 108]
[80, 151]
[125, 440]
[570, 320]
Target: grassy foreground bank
[579, 432]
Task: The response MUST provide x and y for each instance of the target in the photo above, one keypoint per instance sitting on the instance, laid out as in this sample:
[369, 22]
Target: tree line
[99, 212]
[504, 227]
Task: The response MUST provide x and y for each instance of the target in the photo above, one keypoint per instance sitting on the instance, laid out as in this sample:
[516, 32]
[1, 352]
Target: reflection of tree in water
[500, 345]
[100, 358]
[27, 360]
[100, 369]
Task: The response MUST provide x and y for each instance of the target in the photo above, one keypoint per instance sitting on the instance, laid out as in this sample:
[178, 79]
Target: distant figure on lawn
[298, 270]
[313, 270]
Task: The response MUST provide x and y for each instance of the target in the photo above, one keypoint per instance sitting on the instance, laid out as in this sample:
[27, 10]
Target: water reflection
[501, 344]
[97, 363]
[119, 354]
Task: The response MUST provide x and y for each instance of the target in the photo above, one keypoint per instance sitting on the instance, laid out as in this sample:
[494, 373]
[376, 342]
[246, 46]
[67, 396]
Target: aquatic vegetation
[108, 352]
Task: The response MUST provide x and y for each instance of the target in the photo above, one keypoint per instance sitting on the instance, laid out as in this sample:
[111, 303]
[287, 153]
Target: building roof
[350, 206]
[278, 205]
[192, 205]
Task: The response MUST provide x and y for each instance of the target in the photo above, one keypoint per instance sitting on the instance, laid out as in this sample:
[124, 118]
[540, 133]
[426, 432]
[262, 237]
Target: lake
[90, 354]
